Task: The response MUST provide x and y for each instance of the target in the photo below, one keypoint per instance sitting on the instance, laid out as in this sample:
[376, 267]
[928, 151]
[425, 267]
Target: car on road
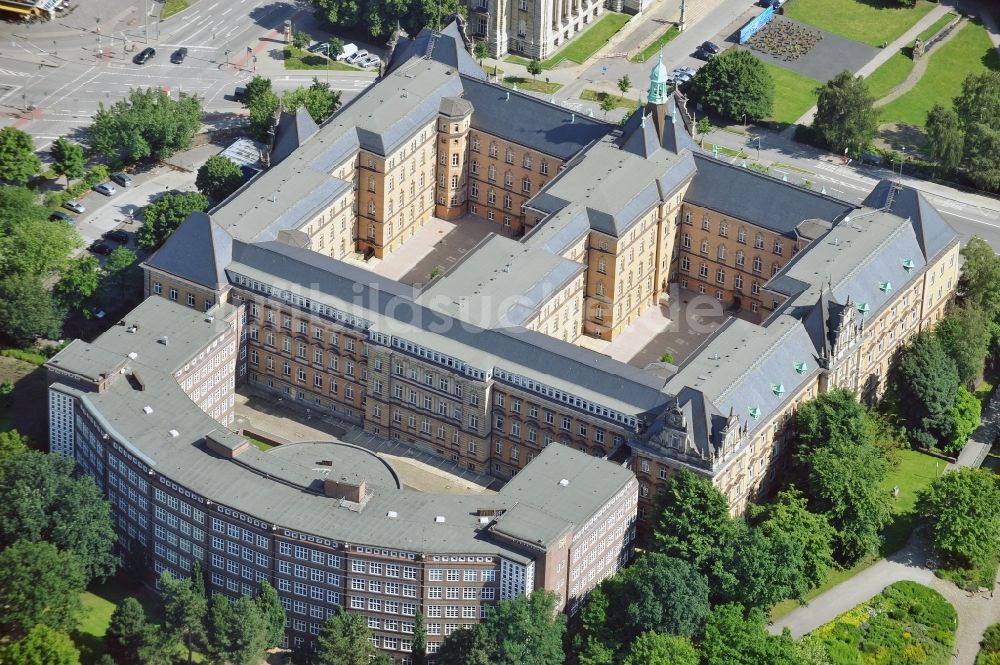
[240, 94]
[711, 47]
[60, 216]
[102, 248]
[75, 206]
[117, 235]
[123, 179]
[349, 50]
[703, 54]
[369, 61]
[318, 47]
[143, 56]
[105, 188]
[357, 55]
[177, 57]
[682, 75]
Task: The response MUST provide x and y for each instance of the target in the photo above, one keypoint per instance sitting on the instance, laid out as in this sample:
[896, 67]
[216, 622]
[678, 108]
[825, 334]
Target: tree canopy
[18, 161]
[944, 137]
[964, 335]
[694, 523]
[68, 158]
[218, 177]
[845, 113]
[39, 585]
[734, 639]
[961, 508]
[28, 311]
[185, 609]
[128, 633]
[41, 646]
[344, 641]
[979, 283]
[148, 123]
[978, 110]
[927, 382]
[652, 648]
[162, 217]
[660, 593]
[734, 84]
[379, 17]
[318, 99]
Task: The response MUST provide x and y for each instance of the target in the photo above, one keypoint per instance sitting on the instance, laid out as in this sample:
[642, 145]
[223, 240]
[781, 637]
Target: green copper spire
[658, 83]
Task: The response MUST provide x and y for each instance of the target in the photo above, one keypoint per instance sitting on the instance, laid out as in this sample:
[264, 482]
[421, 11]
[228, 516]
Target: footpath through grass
[889, 74]
[657, 45]
[937, 25]
[794, 94]
[968, 52]
[171, 7]
[914, 472]
[871, 22]
[298, 59]
[582, 47]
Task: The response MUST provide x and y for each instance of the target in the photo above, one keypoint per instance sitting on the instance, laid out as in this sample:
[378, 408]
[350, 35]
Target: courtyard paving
[830, 56]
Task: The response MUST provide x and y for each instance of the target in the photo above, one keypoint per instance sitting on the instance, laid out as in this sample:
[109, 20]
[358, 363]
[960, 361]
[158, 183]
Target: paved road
[975, 611]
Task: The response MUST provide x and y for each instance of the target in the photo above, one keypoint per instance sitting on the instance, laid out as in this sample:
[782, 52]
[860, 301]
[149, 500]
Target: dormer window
[885, 287]
[778, 389]
[801, 368]
[754, 412]
[908, 264]
[864, 308]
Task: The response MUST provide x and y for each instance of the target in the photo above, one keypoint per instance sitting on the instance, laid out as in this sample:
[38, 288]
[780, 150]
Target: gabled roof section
[675, 137]
[293, 130]
[198, 251]
[446, 46]
[932, 231]
[643, 140]
[757, 198]
[530, 121]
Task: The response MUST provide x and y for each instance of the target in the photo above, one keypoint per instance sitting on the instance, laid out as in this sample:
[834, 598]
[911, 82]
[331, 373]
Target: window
[758, 265]
[741, 236]
[720, 276]
[777, 247]
[759, 241]
[157, 288]
[740, 258]
[173, 294]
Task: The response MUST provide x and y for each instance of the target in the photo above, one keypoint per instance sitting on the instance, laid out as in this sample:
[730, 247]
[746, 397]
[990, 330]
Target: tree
[218, 177]
[960, 507]
[256, 87]
[301, 39]
[68, 159]
[694, 523]
[481, 51]
[534, 67]
[344, 641]
[624, 83]
[979, 284]
[28, 311]
[965, 417]
[217, 621]
[467, 646]
[734, 84]
[607, 104]
[78, 282]
[148, 123]
[419, 646]
[247, 633]
[832, 417]
[41, 646]
[732, 639]
[39, 585]
[162, 217]
[762, 568]
[262, 110]
[926, 385]
[845, 113]
[32, 245]
[598, 640]
[184, 612]
[810, 534]
[659, 593]
[335, 48]
[527, 630]
[42, 500]
[273, 612]
[18, 162]
[965, 337]
[379, 17]
[127, 633]
[120, 270]
[12, 443]
[318, 99]
[977, 110]
[652, 648]
[945, 137]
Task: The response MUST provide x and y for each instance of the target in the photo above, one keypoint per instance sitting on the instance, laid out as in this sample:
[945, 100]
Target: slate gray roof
[446, 47]
[529, 121]
[933, 232]
[757, 198]
[198, 251]
[293, 130]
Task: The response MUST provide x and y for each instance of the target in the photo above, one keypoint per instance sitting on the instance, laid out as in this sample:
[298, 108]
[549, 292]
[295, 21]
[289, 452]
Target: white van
[349, 50]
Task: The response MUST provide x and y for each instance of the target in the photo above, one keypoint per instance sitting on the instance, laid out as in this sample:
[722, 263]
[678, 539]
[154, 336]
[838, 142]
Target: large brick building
[593, 223]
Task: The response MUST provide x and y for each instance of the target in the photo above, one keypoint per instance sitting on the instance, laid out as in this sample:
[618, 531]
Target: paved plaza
[828, 57]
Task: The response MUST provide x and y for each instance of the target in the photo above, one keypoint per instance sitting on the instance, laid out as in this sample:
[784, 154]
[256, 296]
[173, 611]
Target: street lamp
[55, 47]
[757, 139]
[227, 58]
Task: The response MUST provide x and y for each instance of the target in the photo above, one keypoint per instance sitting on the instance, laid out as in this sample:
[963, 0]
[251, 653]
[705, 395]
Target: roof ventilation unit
[164, 340]
[392, 514]
[564, 482]
[439, 519]
[174, 434]
[147, 409]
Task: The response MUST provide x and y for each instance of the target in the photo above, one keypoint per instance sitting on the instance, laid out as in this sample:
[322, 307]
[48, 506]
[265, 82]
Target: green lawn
[794, 94]
[99, 603]
[914, 472]
[890, 73]
[937, 25]
[620, 102]
[657, 45]
[299, 59]
[870, 22]
[581, 48]
[263, 446]
[968, 52]
[531, 85]
[171, 7]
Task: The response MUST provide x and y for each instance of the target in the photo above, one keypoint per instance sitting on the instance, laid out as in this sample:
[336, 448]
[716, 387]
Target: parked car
[143, 56]
[60, 216]
[117, 235]
[75, 206]
[318, 47]
[357, 55]
[178, 56]
[105, 188]
[240, 94]
[681, 75]
[123, 179]
[349, 50]
[102, 248]
[368, 61]
[703, 54]
[711, 47]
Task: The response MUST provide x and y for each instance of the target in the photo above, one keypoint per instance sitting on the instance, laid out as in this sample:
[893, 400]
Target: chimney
[348, 489]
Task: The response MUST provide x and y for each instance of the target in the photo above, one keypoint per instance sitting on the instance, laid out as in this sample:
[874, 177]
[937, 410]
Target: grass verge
[581, 48]
[656, 45]
[794, 94]
[99, 602]
[531, 85]
[298, 59]
[889, 74]
[598, 96]
[263, 446]
[871, 22]
[171, 7]
[936, 26]
[968, 52]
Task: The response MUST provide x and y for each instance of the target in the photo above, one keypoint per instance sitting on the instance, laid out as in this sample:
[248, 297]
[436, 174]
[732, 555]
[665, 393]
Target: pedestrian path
[918, 70]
